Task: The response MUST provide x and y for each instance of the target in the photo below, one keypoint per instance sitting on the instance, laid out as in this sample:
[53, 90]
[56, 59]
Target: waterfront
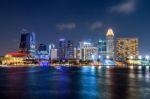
[86, 82]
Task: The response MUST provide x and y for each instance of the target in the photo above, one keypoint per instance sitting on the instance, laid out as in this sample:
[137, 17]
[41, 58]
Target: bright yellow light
[110, 32]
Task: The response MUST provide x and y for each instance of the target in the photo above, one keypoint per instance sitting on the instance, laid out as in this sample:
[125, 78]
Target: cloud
[126, 7]
[96, 25]
[68, 26]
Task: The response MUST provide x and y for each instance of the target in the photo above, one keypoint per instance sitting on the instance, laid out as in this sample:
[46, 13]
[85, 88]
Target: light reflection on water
[87, 82]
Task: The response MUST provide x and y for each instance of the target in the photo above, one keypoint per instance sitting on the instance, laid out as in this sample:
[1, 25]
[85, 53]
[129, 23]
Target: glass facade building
[28, 42]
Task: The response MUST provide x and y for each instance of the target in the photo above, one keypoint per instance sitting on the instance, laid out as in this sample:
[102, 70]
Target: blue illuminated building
[70, 50]
[43, 55]
[62, 49]
[102, 49]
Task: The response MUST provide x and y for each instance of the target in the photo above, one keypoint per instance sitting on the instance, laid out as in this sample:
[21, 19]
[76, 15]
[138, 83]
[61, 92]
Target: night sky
[73, 19]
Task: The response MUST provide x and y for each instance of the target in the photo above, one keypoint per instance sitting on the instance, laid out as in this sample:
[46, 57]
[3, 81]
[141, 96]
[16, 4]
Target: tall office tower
[110, 43]
[82, 45]
[126, 47]
[27, 42]
[70, 50]
[102, 45]
[62, 49]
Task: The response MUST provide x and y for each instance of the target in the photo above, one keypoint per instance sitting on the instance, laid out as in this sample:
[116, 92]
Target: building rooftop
[18, 54]
[110, 32]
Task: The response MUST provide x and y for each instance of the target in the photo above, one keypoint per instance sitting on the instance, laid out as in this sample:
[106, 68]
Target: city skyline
[51, 20]
[74, 49]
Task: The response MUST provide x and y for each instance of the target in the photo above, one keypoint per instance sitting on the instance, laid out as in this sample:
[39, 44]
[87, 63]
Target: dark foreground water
[75, 83]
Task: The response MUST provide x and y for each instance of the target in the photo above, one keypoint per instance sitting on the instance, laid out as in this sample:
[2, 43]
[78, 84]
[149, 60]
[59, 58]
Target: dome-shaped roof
[110, 32]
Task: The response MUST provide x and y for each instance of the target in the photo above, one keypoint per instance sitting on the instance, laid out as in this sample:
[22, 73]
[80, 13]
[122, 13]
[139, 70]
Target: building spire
[110, 32]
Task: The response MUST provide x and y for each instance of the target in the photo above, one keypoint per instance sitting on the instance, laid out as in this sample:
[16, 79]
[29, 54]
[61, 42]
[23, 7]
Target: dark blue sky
[73, 19]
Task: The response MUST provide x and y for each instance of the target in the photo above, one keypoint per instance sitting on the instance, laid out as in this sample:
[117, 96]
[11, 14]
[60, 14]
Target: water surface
[87, 82]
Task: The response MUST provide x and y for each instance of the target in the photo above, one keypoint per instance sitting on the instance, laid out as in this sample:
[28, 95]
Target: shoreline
[52, 65]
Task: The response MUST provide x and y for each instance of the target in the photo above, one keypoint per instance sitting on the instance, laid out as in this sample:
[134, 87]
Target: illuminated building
[110, 43]
[70, 50]
[27, 42]
[126, 47]
[53, 53]
[62, 49]
[102, 48]
[85, 44]
[88, 51]
[18, 58]
[42, 55]
[42, 52]
[77, 53]
[51, 46]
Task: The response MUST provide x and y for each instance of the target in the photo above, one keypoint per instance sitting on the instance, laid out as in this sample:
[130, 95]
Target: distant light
[131, 57]
[99, 67]
[131, 67]
[147, 57]
[140, 67]
[61, 39]
[107, 57]
[93, 56]
[107, 66]
[139, 57]
[93, 67]
[147, 67]
[86, 43]
[99, 56]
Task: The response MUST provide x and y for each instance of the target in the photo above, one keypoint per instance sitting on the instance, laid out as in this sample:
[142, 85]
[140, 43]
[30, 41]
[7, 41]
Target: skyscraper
[88, 51]
[62, 49]
[53, 52]
[126, 47]
[70, 50]
[102, 45]
[27, 42]
[110, 43]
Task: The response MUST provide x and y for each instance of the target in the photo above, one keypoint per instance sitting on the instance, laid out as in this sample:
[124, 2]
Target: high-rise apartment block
[126, 47]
